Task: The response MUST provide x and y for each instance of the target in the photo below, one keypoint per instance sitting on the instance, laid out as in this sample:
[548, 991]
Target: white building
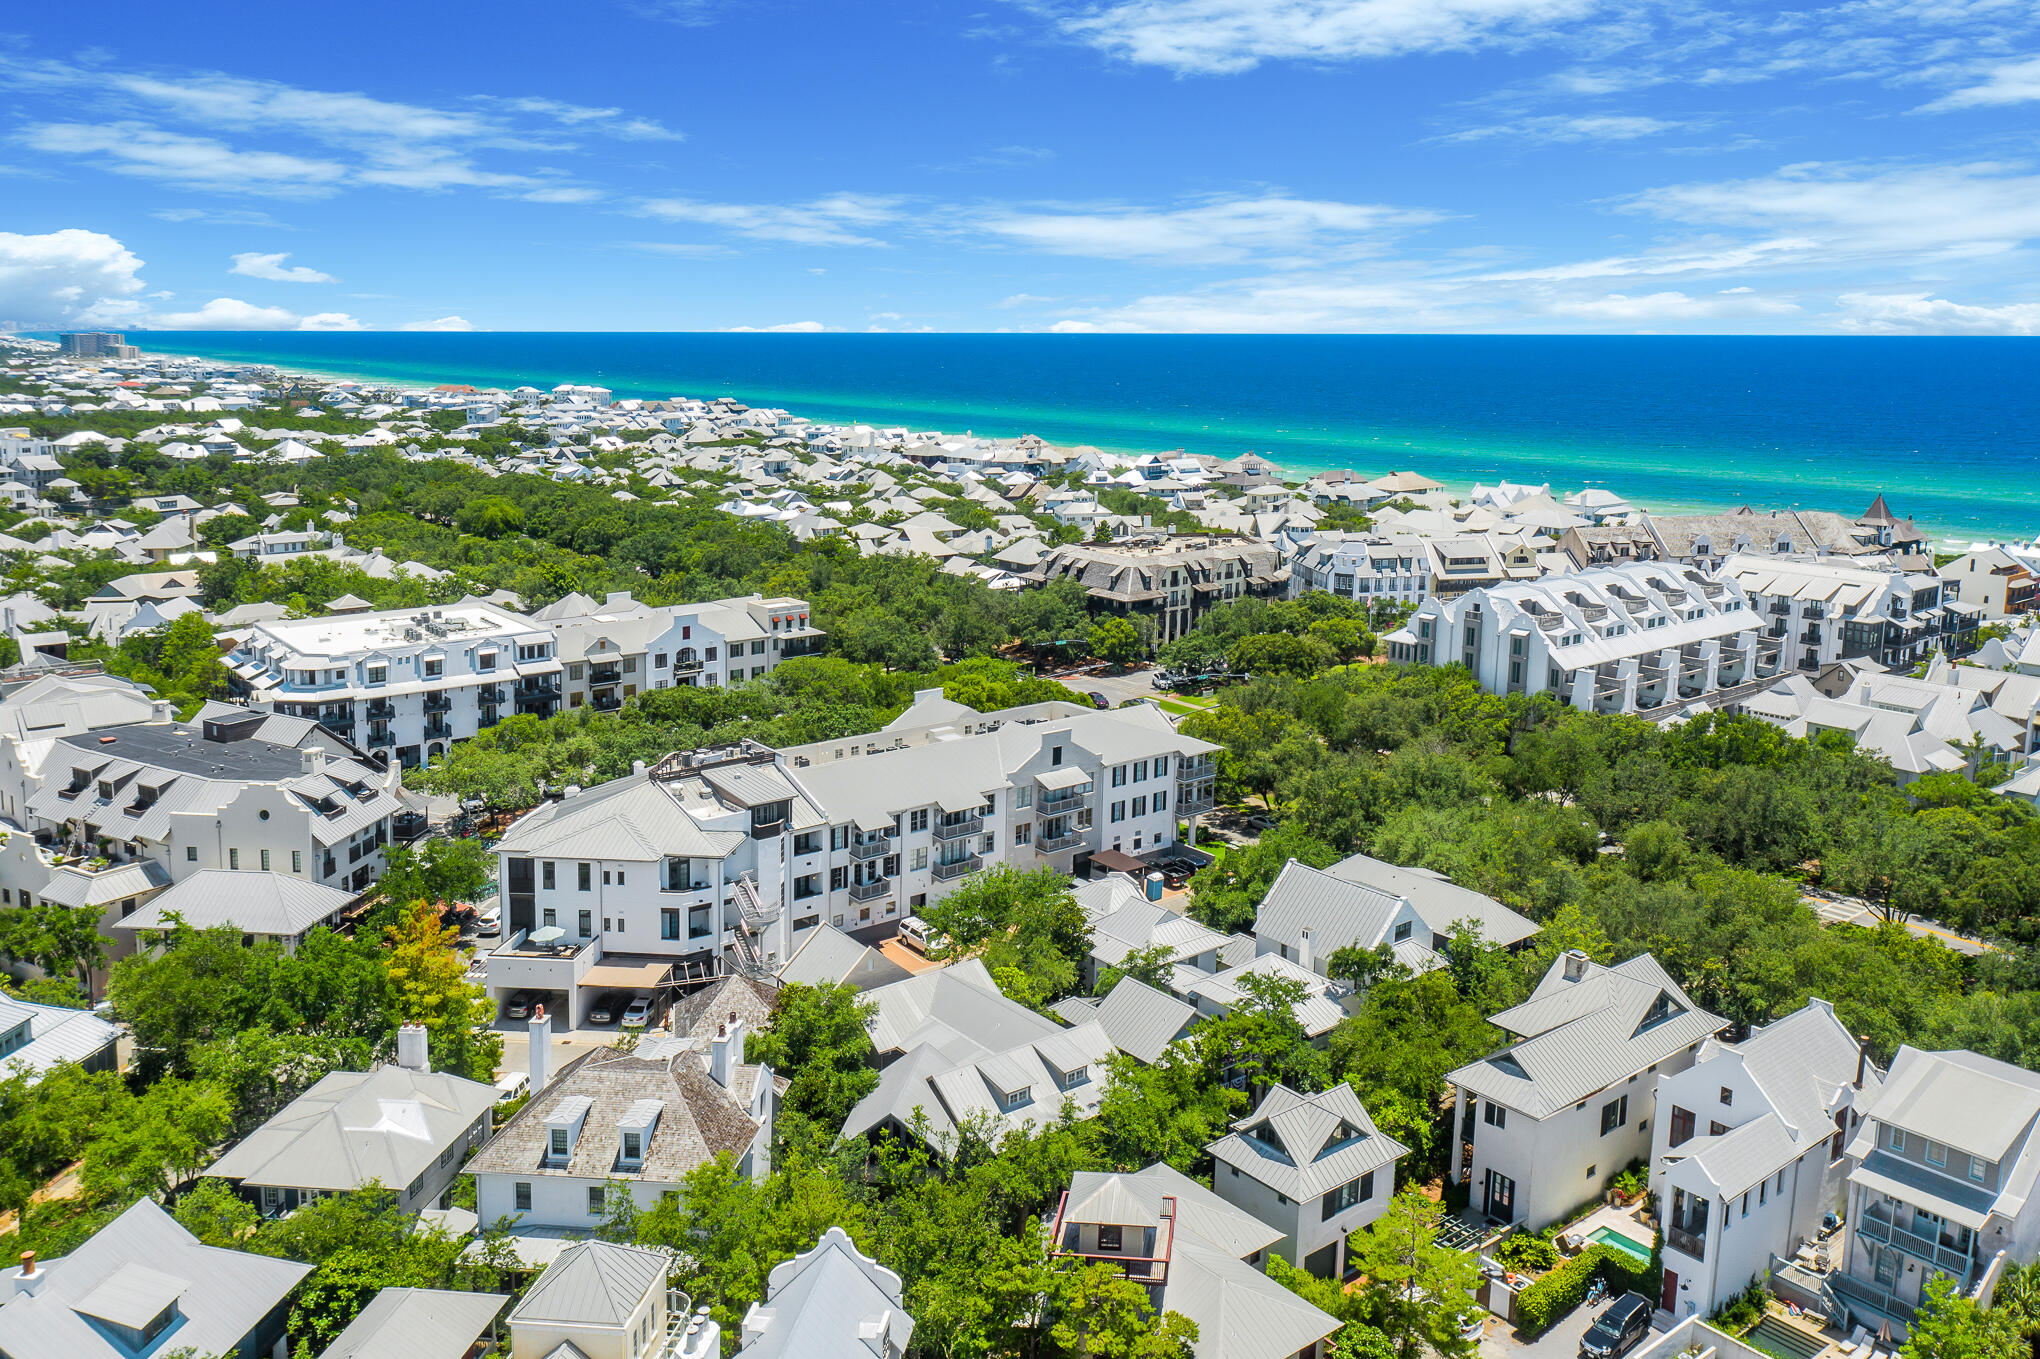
[619, 647]
[830, 1300]
[1313, 1167]
[1633, 638]
[1363, 566]
[403, 683]
[1821, 610]
[1563, 1109]
[1748, 1156]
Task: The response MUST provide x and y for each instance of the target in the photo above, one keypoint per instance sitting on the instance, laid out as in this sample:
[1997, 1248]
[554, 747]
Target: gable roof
[279, 904]
[417, 1323]
[1440, 902]
[1305, 1145]
[820, 1304]
[829, 956]
[591, 1283]
[1141, 1021]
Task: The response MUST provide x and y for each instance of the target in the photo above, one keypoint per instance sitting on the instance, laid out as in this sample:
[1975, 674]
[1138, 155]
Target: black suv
[1618, 1330]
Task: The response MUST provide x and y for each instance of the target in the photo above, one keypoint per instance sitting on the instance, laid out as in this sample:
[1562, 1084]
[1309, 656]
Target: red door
[1671, 1293]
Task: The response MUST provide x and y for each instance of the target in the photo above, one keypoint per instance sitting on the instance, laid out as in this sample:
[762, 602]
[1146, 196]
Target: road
[1841, 910]
[1117, 688]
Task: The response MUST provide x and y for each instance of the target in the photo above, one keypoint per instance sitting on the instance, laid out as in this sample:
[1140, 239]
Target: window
[1023, 796]
[1346, 1196]
[546, 873]
[1764, 1192]
[1140, 806]
[1110, 1238]
[587, 924]
[1119, 776]
[917, 820]
[434, 668]
[1727, 1095]
[594, 1200]
[559, 1143]
[265, 861]
[523, 1196]
[921, 858]
[1937, 1155]
[1161, 802]
[1402, 931]
[669, 923]
[378, 674]
[233, 859]
[1055, 755]
[1978, 1167]
[839, 878]
[1023, 834]
[191, 854]
[1682, 1126]
[1716, 1129]
[586, 874]
[1614, 1114]
[297, 861]
[1119, 811]
[1897, 1139]
[1494, 1115]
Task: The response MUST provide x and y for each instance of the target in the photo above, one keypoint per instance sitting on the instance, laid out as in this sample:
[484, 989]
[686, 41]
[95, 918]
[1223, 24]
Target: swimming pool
[1628, 1245]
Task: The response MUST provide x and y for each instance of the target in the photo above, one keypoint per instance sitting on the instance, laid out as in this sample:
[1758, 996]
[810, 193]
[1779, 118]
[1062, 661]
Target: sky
[1606, 166]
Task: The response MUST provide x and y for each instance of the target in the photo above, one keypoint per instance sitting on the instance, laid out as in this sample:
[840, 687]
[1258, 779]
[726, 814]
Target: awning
[1069, 776]
[623, 976]
[1116, 862]
[1906, 1191]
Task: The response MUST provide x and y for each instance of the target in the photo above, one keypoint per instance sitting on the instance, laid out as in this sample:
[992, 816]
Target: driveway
[1560, 1342]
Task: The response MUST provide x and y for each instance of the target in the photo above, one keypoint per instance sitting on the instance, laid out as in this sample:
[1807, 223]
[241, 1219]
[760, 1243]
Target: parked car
[489, 921]
[918, 935]
[1099, 700]
[520, 1005]
[511, 1084]
[607, 1007]
[1618, 1330]
[643, 1010]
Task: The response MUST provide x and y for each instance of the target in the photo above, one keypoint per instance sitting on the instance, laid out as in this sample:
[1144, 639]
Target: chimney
[637, 766]
[703, 1339]
[1862, 1057]
[725, 1050]
[314, 759]
[540, 1031]
[27, 1279]
[1305, 957]
[162, 711]
[1575, 965]
[413, 1051]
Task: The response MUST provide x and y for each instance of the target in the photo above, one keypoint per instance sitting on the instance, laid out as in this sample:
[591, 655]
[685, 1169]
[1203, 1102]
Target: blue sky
[1867, 166]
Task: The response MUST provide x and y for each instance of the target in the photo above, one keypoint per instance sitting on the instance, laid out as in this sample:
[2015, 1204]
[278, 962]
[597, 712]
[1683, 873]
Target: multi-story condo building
[1549, 1119]
[1747, 1155]
[732, 856]
[1364, 566]
[404, 683]
[1168, 582]
[1821, 611]
[1707, 540]
[1999, 584]
[618, 647]
[1946, 1158]
[1632, 638]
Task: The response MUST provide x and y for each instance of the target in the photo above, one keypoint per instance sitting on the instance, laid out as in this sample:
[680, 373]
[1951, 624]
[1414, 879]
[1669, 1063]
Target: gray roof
[55, 1034]
[1439, 902]
[79, 887]
[818, 1303]
[635, 818]
[1581, 1036]
[1744, 1155]
[1140, 1020]
[1972, 1103]
[591, 1283]
[1136, 1200]
[277, 904]
[828, 955]
[417, 1323]
[976, 1089]
[957, 1010]
[387, 1125]
[1338, 913]
[696, 1017]
[1307, 1145]
[225, 1294]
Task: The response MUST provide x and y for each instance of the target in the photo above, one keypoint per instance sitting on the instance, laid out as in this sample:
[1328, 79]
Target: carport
[617, 974]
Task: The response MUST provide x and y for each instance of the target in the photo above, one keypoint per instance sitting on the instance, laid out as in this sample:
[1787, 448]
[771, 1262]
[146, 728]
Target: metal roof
[389, 1125]
[277, 904]
[592, 1283]
[1142, 1021]
[1439, 902]
[821, 1303]
[1298, 1148]
[417, 1323]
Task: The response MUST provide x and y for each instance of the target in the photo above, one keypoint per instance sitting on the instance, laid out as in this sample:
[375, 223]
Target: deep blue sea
[1947, 428]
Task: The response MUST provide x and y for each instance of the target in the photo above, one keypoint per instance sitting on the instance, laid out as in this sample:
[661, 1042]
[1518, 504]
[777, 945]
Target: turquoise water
[1947, 428]
[1635, 1250]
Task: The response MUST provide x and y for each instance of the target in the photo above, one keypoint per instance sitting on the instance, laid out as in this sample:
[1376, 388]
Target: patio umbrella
[548, 934]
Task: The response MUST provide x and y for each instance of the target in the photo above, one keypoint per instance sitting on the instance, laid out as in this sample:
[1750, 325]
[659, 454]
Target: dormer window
[1070, 1080]
[634, 1133]
[563, 1128]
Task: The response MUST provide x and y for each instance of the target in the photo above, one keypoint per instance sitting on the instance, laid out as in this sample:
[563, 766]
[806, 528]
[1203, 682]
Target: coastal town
[742, 885]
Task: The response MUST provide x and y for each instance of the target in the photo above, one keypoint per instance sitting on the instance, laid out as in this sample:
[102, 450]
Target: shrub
[1742, 1311]
[1564, 1288]
[1632, 1182]
[1526, 1254]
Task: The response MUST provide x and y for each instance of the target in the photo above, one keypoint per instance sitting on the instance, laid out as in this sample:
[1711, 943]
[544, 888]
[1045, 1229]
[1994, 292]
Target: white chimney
[413, 1050]
[725, 1050]
[26, 1279]
[1304, 956]
[314, 758]
[1575, 965]
[637, 766]
[162, 710]
[703, 1339]
[541, 1048]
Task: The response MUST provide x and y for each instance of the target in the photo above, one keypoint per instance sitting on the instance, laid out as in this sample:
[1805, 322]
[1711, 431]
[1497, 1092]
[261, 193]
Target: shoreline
[1408, 453]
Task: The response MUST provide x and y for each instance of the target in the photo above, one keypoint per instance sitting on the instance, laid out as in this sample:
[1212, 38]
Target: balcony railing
[945, 872]
[870, 849]
[865, 891]
[381, 710]
[439, 701]
[1189, 801]
[686, 665]
[491, 694]
[1686, 1243]
[438, 731]
[957, 830]
[1058, 799]
[1879, 1226]
[605, 703]
[605, 674]
[1057, 843]
[381, 738]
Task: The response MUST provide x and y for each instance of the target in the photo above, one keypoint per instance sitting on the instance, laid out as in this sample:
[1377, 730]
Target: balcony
[958, 830]
[1061, 799]
[490, 695]
[1066, 1236]
[604, 674]
[338, 723]
[381, 710]
[865, 891]
[1686, 1243]
[1192, 799]
[870, 849]
[439, 701]
[1878, 1225]
[686, 665]
[381, 738]
[949, 871]
[1810, 637]
[438, 731]
[605, 703]
[1055, 844]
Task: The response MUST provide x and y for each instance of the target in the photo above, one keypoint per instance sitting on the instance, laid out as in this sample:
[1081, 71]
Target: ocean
[1948, 429]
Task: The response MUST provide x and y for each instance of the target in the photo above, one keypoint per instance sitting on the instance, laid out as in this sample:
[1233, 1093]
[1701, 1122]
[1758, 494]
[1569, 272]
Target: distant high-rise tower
[93, 344]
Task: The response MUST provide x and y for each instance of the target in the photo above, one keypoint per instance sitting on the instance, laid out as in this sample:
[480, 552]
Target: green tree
[57, 939]
[1425, 1290]
[216, 1215]
[1099, 1314]
[1116, 641]
[1950, 1326]
[817, 1038]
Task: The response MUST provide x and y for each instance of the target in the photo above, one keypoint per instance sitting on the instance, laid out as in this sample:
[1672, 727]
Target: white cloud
[227, 313]
[1218, 232]
[837, 220]
[1853, 211]
[1585, 127]
[254, 264]
[562, 194]
[785, 328]
[1667, 306]
[130, 148]
[447, 323]
[2011, 82]
[614, 122]
[329, 320]
[69, 276]
[1925, 314]
[1219, 36]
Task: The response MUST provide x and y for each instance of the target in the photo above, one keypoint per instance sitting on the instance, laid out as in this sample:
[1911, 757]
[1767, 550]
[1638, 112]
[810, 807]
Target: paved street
[1560, 1342]
[1118, 688]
